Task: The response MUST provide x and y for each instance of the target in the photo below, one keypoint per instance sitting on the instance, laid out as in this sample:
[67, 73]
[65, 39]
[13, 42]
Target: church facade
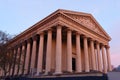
[63, 42]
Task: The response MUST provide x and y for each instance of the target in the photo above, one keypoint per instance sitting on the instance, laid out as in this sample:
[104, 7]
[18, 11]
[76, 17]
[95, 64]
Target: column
[86, 54]
[27, 57]
[69, 50]
[8, 54]
[78, 52]
[18, 58]
[108, 58]
[104, 60]
[14, 60]
[11, 71]
[15, 64]
[58, 64]
[20, 62]
[93, 54]
[99, 57]
[22, 58]
[33, 56]
[40, 54]
[11, 65]
[49, 51]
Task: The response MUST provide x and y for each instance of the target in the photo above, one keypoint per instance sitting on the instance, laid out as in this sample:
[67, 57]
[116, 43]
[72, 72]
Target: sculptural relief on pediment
[87, 22]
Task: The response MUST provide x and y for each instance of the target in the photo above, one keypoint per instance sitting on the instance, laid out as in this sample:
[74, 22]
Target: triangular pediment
[86, 20]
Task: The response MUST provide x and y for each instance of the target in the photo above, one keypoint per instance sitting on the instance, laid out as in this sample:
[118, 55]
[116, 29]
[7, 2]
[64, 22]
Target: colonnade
[28, 49]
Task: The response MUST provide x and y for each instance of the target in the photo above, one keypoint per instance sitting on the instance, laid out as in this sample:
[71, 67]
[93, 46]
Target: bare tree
[5, 58]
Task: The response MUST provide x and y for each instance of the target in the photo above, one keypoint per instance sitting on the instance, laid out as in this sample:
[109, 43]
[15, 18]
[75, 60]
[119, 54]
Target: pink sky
[115, 59]
[114, 32]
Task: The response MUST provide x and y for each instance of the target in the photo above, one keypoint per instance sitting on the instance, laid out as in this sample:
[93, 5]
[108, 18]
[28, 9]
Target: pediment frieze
[86, 21]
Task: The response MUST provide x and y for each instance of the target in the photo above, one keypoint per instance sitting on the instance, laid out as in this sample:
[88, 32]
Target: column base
[57, 73]
[78, 71]
[69, 72]
[48, 73]
[87, 70]
[45, 74]
[25, 72]
[38, 73]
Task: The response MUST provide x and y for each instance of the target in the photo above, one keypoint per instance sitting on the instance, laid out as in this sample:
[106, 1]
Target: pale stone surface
[104, 60]
[86, 55]
[99, 58]
[49, 52]
[33, 53]
[93, 55]
[78, 54]
[40, 54]
[27, 57]
[108, 59]
[22, 59]
[69, 51]
[58, 50]
[53, 58]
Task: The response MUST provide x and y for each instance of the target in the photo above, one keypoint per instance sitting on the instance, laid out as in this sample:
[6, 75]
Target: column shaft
[99, 58]
[104, 60]
[27, 57]
[33, 57]
[108, 58]
[93, 54]
[40, 54]
[78, 52]
[15, 52]
[96, 60]
[10, 54]
[11, 68]
[58, 51]
[48, 53]
[69, 51]
[22, 58]
[18, 63]
[86, 55]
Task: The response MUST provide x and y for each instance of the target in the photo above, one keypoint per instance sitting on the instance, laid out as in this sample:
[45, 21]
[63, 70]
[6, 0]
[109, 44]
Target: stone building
[63, 42]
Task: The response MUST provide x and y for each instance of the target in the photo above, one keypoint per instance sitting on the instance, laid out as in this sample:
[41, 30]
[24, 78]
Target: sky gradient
[18, 15]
